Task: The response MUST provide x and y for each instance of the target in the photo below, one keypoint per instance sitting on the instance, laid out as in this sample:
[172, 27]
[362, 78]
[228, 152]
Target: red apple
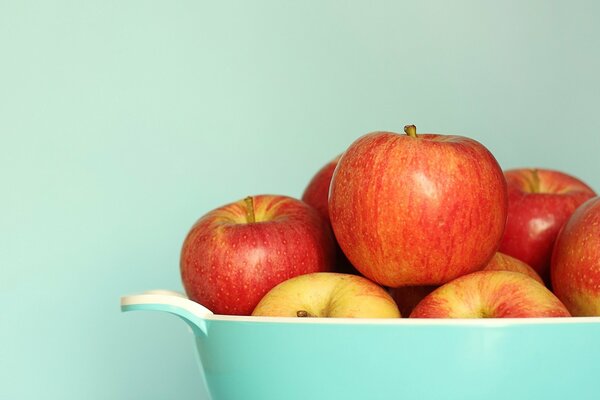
[407, 297]
[327, 295]
[491, 294]
[539, 202]
[575, 265]
[417, 210]
[236, 253]
[503, 262]
[316, 194]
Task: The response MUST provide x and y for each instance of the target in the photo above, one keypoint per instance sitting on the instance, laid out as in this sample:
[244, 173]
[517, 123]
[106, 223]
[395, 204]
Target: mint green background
[122, 122]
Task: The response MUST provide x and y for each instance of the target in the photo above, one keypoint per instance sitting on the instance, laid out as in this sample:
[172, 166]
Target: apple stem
[250, 217]
[411, 130]
[303, 314]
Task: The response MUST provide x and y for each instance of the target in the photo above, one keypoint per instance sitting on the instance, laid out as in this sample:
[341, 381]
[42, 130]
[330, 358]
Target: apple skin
[316, 194]
[539, 202]
[228, 262]
[575, 265]
[327, 295]
[417, 210]
[503, 262]
[491, 294]
[407, 297]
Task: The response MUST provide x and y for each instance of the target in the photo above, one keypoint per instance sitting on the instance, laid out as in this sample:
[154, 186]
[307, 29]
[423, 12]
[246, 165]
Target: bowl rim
[177, 303]
[405, 321]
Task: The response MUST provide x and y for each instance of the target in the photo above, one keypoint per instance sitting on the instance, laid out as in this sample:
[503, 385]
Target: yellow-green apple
[491, 294]
[503, 262]
[539, 202]
[412, 209]
[575, 265]
[407, 297]
[236, 253]
[316, 194]
[327, 294]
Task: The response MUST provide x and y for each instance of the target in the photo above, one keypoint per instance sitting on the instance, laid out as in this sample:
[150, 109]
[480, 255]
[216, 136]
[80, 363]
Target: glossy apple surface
[491, 294]
[407, 297]
[412, 209]
[539, 202]
[235, 254]
[316, 194]
[327, 295]
[503, 262]
[575, 268]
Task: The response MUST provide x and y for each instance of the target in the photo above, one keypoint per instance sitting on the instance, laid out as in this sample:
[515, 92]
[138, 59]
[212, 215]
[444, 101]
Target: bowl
[270, 358]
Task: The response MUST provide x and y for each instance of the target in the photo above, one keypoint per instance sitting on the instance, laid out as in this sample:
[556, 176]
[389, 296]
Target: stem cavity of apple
[303, 314]
[411, 131]
[250, 217]
[535, 181]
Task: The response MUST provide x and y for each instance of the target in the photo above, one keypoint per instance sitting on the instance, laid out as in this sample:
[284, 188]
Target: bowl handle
[194, 314]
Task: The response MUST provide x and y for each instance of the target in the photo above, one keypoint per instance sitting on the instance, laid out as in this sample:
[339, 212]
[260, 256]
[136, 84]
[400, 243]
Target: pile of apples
[404, 225]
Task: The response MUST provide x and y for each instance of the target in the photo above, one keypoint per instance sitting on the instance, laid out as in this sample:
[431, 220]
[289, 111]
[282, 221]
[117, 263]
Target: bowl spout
[192, 313]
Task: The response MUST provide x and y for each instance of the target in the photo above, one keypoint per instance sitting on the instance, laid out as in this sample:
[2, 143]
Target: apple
[491, 294]
[575, 261]
[539, 202]
[407, 297]
[504, 262]
[327, 295]
[417, 210]
[236, 253]
[316, 194]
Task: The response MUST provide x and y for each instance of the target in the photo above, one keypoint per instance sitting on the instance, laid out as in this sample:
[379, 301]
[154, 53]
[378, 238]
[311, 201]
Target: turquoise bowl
[267, 358]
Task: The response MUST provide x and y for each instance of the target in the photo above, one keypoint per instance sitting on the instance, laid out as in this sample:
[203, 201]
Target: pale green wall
[122, 122]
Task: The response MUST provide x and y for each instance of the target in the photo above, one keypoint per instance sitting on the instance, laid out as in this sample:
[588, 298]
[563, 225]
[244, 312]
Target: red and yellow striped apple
[491, 294]
[407, 297]
[417, 209]
[575, 265]
[504, 262]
